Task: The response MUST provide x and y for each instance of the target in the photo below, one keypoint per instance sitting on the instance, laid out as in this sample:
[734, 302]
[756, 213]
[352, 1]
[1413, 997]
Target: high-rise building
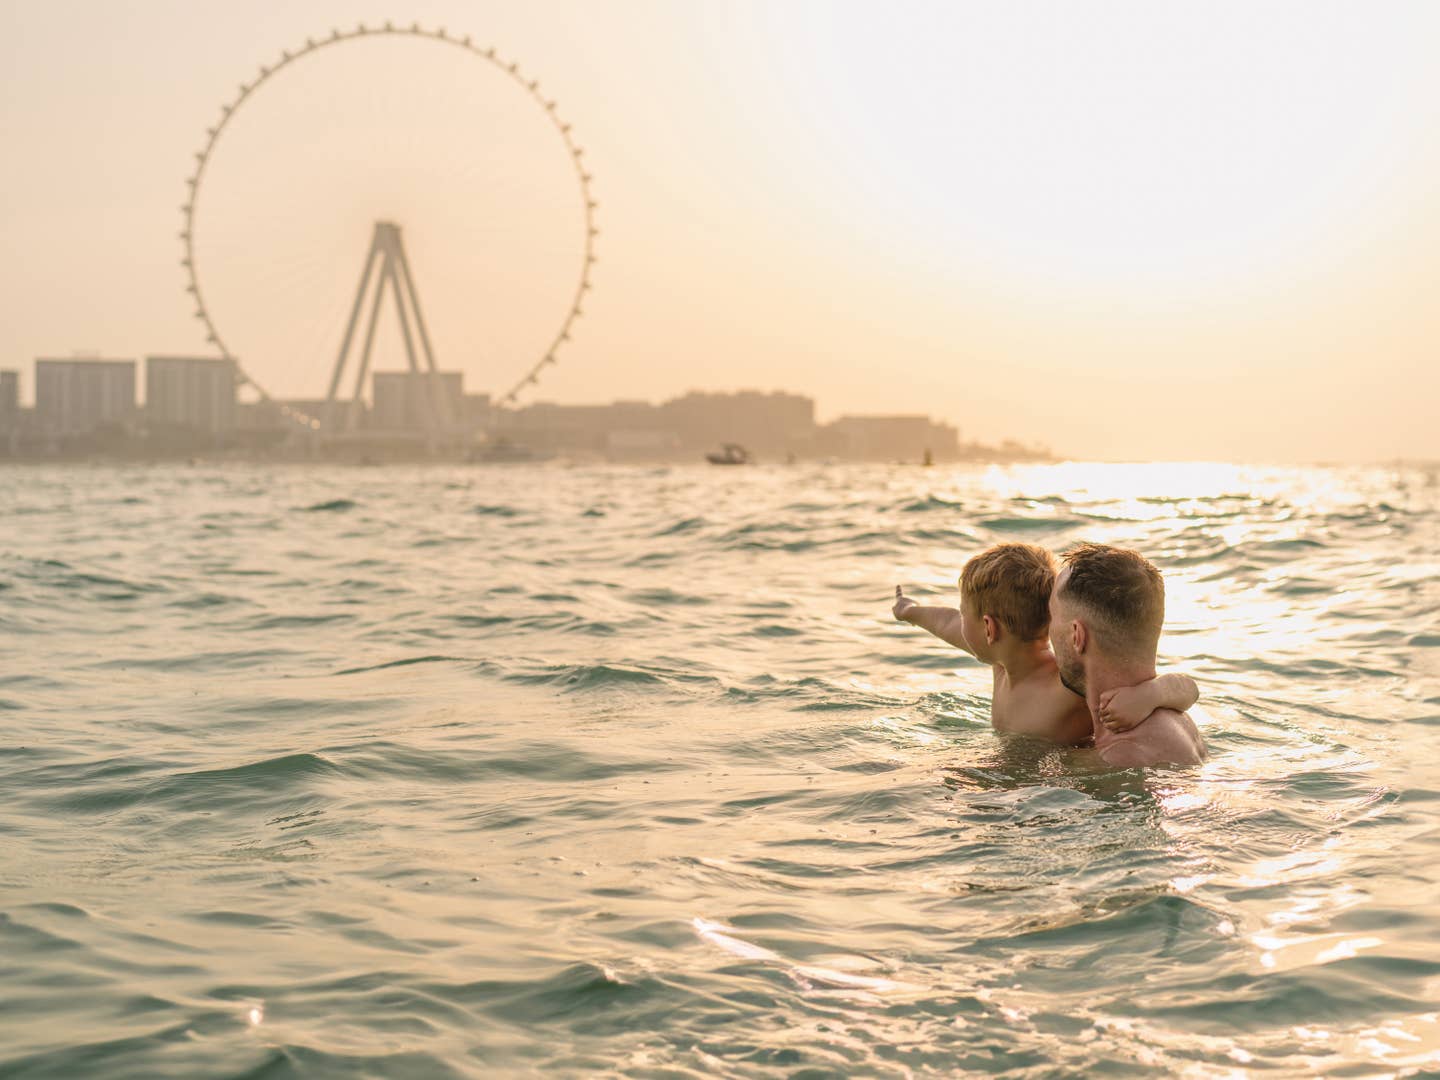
[196, 392]
[9, 397]
[402, 399]
[74, 397]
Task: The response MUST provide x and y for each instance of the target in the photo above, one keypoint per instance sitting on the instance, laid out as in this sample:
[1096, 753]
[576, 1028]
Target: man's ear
[992, 629]
[1079, 635]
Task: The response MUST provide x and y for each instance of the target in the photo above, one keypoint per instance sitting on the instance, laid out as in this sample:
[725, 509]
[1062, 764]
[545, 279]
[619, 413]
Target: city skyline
[955, 206]
[88, 407]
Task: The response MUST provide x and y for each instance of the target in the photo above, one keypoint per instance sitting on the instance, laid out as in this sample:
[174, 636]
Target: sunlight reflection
[905, 729]
[1229, 537]
[1297, 865]
[1284, 954]
[838, 979]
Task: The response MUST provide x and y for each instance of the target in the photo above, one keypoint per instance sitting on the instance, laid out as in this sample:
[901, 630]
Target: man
[1106, 610]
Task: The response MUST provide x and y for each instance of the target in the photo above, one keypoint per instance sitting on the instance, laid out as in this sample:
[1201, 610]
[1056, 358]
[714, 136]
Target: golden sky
[1127, 230]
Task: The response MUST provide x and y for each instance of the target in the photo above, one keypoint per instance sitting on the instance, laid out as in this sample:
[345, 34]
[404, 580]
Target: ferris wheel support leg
[407, 281]
[439, 411]
[352, 412]
[350, 326]
[431, 400]
[439, 407]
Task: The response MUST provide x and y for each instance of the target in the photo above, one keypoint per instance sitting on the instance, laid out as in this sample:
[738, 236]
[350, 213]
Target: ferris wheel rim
[194, 185]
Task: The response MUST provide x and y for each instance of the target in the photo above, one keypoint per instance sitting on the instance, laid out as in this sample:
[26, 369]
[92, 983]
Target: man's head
[1005, 590]
[1107, 604]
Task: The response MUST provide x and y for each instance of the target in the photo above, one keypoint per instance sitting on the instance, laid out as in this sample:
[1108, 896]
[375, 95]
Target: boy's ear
[992, 629]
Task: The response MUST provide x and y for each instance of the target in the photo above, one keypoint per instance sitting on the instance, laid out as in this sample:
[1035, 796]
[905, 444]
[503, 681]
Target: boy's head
[1009, 583]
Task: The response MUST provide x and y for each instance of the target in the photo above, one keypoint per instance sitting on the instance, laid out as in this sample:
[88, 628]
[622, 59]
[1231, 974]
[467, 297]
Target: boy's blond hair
[1012, 583]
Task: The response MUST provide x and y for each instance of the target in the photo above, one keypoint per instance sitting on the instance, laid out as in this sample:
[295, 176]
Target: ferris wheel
[387, 267]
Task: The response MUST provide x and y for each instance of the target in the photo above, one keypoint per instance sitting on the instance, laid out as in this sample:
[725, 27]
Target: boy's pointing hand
[903, 604]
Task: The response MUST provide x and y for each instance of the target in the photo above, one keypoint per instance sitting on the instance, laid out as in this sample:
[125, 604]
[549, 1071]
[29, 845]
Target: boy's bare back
[1040, 706]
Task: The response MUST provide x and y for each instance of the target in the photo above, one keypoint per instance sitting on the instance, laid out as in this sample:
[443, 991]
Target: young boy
[1003, 619]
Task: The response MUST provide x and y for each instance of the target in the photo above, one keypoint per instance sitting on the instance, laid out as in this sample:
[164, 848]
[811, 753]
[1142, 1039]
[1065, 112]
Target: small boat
[730, 454]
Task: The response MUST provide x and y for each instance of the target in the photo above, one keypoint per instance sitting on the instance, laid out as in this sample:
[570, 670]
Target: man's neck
[1103, 675]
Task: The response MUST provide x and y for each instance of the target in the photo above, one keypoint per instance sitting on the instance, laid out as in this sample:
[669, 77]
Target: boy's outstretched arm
[943, 622]
[1124, 707]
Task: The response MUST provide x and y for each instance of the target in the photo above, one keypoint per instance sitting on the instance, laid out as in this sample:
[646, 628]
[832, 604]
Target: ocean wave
[1027, 525]
[926, 504]
[580, 678]
[388, 791]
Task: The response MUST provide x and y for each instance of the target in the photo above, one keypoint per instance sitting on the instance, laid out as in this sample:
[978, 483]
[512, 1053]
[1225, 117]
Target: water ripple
[398, 772]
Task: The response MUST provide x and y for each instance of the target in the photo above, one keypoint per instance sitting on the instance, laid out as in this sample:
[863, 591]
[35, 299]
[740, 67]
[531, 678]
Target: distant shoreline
[559, 460]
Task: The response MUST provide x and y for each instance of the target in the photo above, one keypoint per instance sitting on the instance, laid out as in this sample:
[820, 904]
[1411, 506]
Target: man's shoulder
[1174, 720]
[1167, 736]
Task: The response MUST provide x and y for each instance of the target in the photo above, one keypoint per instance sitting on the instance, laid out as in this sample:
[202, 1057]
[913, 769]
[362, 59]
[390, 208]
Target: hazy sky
[1123, 229]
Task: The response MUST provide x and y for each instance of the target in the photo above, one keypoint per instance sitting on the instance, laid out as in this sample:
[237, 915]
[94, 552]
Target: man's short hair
[1012, 583]
[1121, 592]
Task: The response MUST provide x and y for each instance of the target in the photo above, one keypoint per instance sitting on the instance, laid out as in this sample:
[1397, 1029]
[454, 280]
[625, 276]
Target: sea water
[481, 771]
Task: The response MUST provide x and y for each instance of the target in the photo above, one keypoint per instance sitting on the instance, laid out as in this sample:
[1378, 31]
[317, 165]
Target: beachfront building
[477, 411]
[9, 398]
[881, 438]
[765, 423]
[193, 392]
[584, 429]
[77, 396]
[768, 424]
[403, 400]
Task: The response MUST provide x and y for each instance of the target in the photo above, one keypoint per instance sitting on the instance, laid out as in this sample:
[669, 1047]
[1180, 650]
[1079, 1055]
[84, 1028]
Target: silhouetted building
[887, 437]
[403, 399]
[768, 423]
[9, 398]
[478, 411]
[196, 392]
[258, 414]
[548, 426]
[74, 397]
[641, 443]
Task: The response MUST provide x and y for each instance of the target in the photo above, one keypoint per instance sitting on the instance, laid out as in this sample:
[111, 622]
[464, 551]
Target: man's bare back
[1166, 738]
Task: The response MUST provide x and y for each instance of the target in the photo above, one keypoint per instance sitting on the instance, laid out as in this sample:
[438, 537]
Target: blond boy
[1003, 620]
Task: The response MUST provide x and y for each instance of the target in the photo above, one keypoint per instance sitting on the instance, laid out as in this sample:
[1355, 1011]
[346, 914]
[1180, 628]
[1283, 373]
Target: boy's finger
[898, 593]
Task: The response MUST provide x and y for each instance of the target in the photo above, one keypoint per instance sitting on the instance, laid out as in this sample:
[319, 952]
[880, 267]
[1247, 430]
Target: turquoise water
[473, 772]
